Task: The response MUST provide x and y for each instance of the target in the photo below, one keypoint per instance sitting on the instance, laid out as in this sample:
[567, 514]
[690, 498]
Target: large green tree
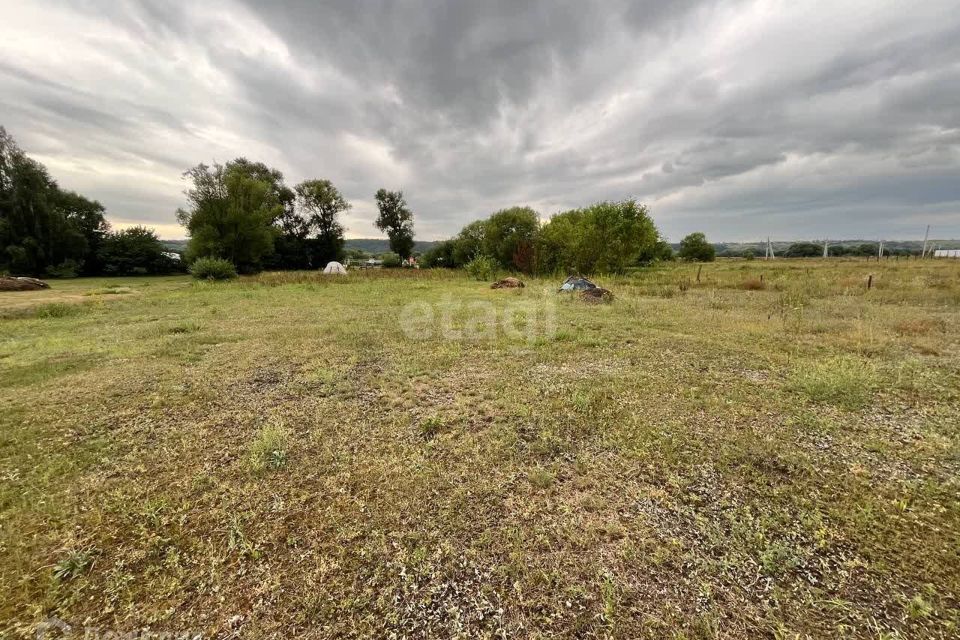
[133, 252]
[232, 210]
[606, 237]
[469, 243]
[695, 247]
[509, 235]
[396, 220]
[320, 204]
[43, 230]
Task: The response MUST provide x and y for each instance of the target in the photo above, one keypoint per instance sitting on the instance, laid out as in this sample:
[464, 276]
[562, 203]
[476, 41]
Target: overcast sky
[791, 119]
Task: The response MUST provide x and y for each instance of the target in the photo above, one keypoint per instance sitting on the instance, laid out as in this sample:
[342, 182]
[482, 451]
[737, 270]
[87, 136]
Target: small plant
[430, 427]
[238, 542]
[777, 559]
[213, 269]
[541, 478]
[269, 449]
[482, 268]
[74, 564]
[184, 327]
[918, 607]
[842, 381]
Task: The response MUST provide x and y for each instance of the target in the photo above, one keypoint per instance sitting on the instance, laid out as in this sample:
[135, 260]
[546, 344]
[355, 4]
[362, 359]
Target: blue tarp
[576, 283]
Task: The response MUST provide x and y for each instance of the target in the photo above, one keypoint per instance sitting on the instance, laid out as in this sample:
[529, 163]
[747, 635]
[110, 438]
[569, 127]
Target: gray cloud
[743, 119]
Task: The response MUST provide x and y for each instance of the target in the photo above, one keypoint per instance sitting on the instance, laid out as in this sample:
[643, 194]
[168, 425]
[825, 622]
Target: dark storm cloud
[739, 118]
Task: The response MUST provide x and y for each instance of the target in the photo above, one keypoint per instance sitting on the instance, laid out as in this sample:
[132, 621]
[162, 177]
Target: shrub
[696, 248]
[391, 260]
[482, 268]
[66, 269]
[213, 269]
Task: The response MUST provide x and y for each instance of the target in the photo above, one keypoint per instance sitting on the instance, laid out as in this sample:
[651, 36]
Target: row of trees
[607, 237]
[48, 231]
[244, 212]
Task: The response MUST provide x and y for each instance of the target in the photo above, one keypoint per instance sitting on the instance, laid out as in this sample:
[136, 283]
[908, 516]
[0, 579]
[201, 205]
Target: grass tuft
[842, 381]
[73, 565]
[269, 449]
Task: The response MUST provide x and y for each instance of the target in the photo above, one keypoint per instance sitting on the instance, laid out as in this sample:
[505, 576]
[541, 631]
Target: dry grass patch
[703, 462]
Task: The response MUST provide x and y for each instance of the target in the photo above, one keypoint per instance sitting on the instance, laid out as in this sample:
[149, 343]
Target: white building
[946, 253]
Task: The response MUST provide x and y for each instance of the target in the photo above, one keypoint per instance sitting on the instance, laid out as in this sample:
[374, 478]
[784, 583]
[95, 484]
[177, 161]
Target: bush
[696, 248]
[481, 268]
[391, 260]
[213, 269]
[608, 237]
[66, 269]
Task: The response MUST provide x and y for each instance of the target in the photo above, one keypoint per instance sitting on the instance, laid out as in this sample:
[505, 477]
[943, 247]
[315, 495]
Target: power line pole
[926, 236]
[826, 248]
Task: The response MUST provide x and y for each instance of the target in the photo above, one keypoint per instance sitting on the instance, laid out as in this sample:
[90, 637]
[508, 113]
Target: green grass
[843, 381]
[291, 454]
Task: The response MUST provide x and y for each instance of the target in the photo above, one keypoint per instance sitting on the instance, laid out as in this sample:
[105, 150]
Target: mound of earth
[596, 295]
[508, 283]
[22, 284]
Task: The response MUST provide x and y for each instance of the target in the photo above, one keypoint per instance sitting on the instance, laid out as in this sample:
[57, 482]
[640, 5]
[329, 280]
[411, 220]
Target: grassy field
[769, 452]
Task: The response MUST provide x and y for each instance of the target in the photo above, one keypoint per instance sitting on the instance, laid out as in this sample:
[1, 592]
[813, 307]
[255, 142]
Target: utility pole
[926, 236]
[826, 248]
[880, 251]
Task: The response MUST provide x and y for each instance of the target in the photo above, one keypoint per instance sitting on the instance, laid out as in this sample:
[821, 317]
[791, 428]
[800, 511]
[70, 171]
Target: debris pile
[508, 283]
[596, 295]
[576, 283]
[21, 284]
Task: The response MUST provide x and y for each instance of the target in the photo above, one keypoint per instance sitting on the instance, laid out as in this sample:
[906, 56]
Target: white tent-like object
[335, 267]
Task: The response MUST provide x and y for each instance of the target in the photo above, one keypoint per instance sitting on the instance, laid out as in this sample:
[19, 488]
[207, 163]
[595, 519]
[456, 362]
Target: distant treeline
[840, 248]
[244, 213]
[604, 237]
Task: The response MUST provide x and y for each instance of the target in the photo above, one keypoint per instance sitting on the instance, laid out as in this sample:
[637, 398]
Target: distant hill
[177, 246]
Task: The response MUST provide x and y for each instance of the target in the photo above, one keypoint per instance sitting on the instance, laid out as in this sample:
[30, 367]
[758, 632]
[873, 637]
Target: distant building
[946, 253]
[173, 256]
